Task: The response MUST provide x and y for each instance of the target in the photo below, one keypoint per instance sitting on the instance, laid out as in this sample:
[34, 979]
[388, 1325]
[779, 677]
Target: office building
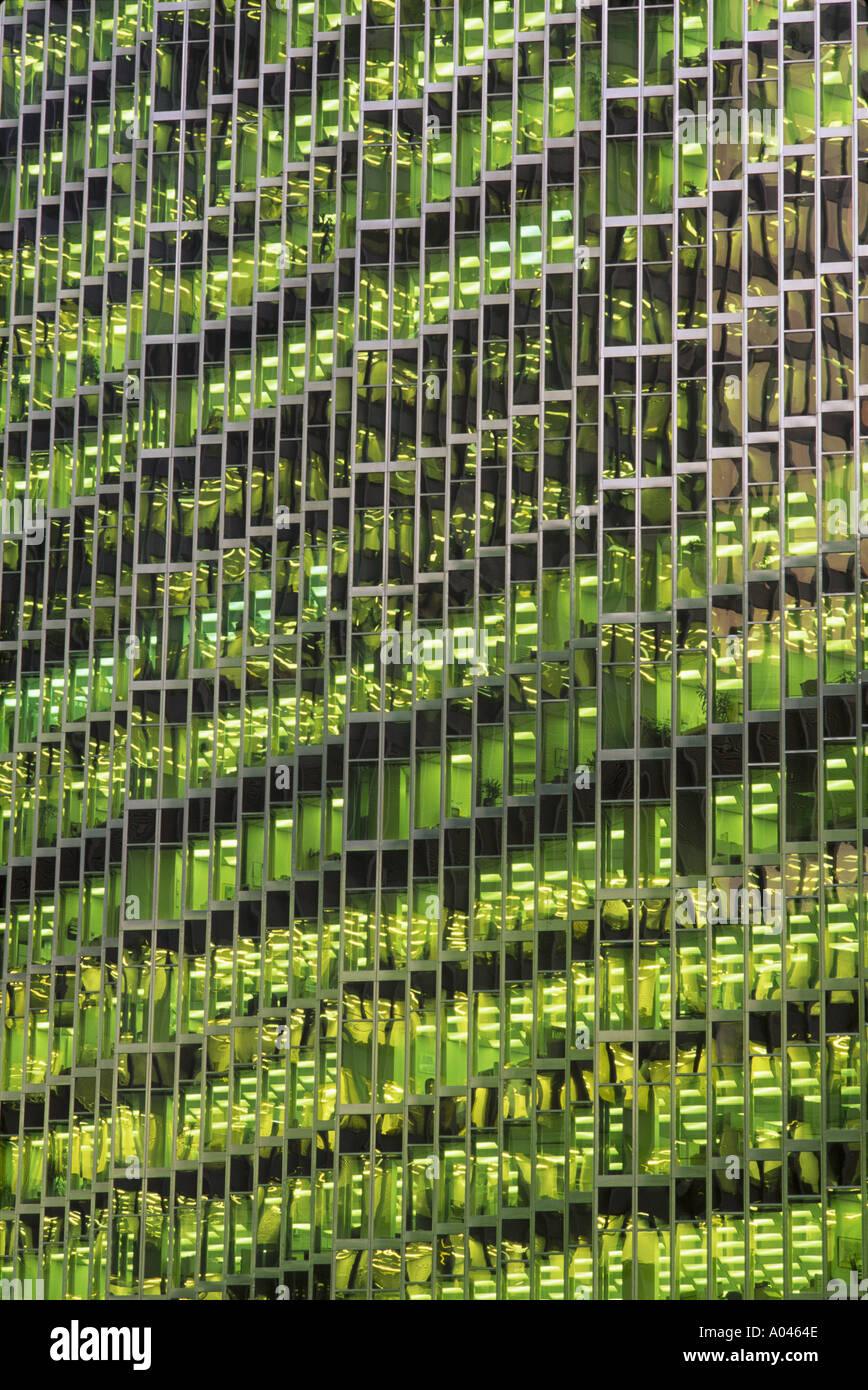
[432, 604]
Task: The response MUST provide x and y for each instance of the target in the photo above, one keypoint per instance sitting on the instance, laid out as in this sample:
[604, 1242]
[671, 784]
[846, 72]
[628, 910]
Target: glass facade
[433, 587]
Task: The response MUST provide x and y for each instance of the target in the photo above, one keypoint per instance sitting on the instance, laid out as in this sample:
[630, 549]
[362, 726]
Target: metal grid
[332, 973]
